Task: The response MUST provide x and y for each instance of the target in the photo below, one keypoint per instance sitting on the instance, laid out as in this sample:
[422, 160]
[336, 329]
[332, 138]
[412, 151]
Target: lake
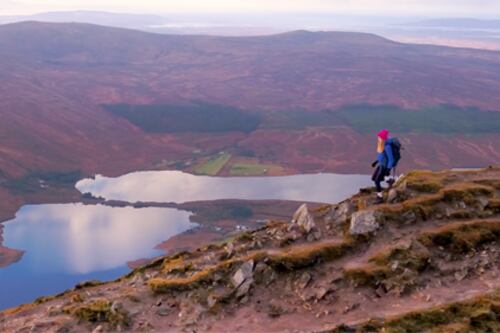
[179, 187]
[68, 243]
[65, 244]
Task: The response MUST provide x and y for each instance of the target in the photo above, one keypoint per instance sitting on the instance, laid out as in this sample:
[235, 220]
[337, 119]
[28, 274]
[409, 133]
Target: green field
[248, 169]
[213, 166]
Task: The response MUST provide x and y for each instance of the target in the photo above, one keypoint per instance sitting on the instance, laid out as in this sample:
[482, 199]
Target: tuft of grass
[428, 184]
[424, 181]
[152, 265]
[463, 237]
[163, 285]
[292, 259]
[494, 183]
[494, 204]
[88, 284]
[18, 309]
[100, 311]
[367, 274]
[414, 257]
[479, 315]
[42, 300]
[428, 206]
[380, 270]
[466, 192]
[176, 265]
[306, 255]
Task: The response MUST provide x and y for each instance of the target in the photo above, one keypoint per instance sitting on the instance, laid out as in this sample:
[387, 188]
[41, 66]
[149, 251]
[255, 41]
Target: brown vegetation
[418, 268]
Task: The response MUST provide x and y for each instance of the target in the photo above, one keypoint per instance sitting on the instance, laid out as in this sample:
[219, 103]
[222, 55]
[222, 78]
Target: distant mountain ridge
[462, 23]
[121, 20]
[55, 40]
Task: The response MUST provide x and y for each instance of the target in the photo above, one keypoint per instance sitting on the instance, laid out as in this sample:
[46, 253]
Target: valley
[79, 100]
[105, 81]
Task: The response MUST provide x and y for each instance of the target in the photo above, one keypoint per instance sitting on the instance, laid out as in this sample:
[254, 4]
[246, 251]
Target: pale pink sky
[387, 7]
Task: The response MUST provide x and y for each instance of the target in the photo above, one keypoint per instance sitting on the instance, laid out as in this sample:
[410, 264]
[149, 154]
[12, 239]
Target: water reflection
[67, 243]
[75, 238]
[179, 187]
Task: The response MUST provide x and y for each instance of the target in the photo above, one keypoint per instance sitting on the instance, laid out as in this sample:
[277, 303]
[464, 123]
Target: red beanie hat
[383, 134]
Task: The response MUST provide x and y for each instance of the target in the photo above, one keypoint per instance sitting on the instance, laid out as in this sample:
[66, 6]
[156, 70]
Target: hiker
[388, 155]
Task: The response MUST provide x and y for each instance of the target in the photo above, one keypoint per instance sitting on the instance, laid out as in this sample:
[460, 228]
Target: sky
[445, 8]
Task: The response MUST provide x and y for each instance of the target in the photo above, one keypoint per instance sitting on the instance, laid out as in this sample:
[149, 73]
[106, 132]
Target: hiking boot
[379, 200]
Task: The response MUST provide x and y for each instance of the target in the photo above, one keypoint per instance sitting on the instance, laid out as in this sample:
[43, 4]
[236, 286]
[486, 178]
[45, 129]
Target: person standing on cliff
[388, 155]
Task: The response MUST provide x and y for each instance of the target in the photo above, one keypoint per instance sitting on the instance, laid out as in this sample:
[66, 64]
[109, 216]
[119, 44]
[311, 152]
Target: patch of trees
[197, 118]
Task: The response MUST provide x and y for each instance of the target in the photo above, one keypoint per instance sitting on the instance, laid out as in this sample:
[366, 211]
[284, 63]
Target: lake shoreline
[237, 206]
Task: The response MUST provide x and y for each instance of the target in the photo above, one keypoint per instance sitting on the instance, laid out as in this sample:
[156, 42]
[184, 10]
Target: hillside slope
[59, 82]
[55, 77]
[291, 70]
[427, 261]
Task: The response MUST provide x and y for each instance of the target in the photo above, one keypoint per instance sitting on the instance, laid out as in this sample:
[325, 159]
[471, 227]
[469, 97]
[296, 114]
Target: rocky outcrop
[364, 222]
[427, 260]
[304, 219]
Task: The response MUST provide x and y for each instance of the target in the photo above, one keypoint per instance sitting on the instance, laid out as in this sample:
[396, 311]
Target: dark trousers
[379, 175]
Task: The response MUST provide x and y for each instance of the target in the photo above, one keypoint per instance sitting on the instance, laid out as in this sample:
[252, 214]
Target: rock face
[363, 222]
[304, 219]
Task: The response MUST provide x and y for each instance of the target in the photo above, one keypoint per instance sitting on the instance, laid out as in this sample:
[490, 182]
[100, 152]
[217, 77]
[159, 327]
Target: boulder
[245, 272]
[392, 196]
[244, 288]
[340, 213]
[364, 222]
[304, 219]
[263, 273]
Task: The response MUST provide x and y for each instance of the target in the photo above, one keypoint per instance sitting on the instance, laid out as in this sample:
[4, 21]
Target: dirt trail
[426, 260]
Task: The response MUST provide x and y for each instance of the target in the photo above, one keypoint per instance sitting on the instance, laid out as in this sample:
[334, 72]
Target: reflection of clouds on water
[75, 238]
[176, 186]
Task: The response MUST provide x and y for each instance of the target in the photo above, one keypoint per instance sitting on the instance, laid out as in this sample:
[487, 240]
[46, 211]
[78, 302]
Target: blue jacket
[385, 158]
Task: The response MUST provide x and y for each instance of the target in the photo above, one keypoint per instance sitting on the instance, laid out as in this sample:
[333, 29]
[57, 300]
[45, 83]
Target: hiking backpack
[396, 147]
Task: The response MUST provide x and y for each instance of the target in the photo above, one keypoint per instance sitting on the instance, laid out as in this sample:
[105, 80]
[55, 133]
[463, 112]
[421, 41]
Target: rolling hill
[60, 81]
